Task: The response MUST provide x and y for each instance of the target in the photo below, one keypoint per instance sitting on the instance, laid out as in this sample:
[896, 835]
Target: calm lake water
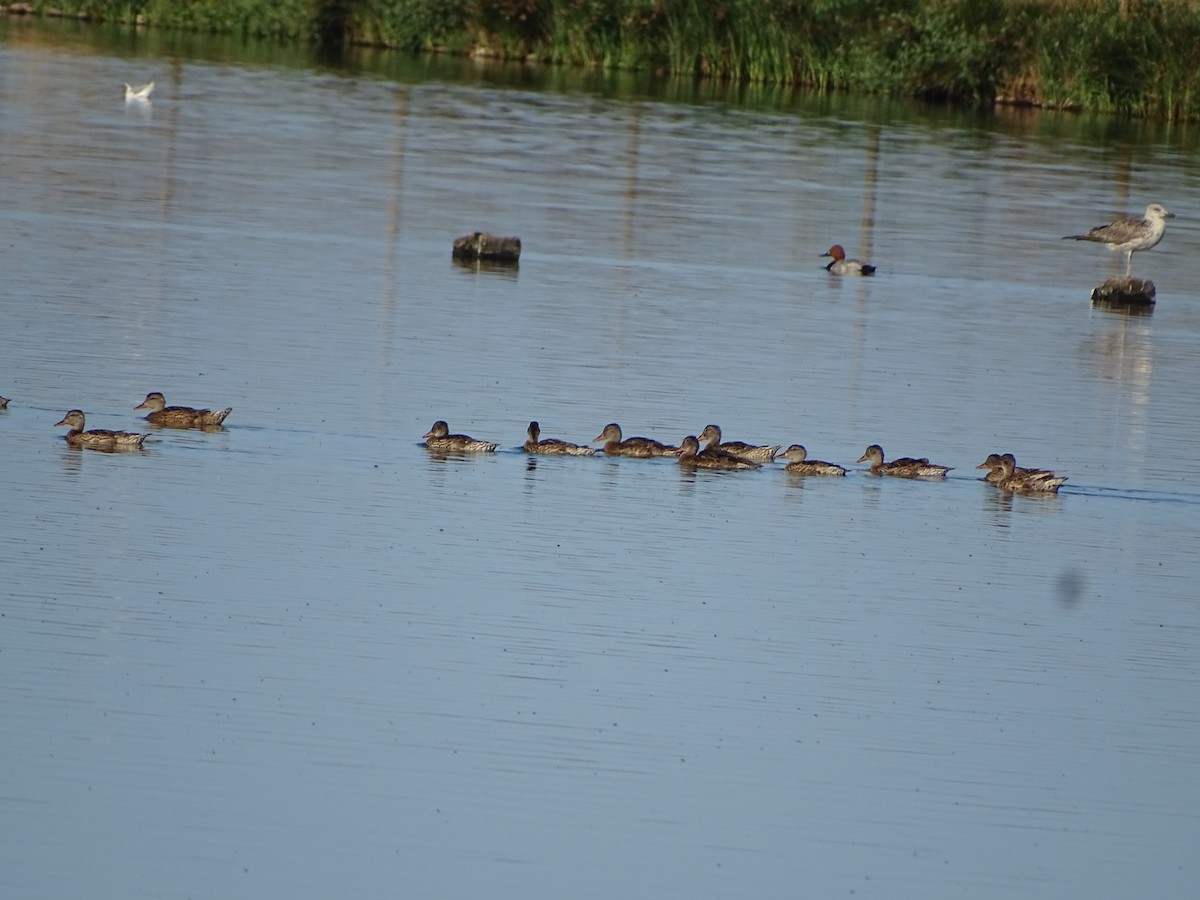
[304, 658]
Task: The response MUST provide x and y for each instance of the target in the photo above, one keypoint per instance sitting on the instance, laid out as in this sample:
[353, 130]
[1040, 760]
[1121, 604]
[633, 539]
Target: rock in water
[482, 245]
[1125, 291]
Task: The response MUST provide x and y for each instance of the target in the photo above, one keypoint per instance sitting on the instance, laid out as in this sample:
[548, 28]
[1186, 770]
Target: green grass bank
[1130, 57]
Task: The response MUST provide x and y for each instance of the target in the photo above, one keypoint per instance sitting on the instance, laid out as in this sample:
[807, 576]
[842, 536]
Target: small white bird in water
[1129, 233]
[141, 92]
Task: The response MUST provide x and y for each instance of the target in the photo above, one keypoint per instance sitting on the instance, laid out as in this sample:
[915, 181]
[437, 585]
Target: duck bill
[427, 435]
[63, 422]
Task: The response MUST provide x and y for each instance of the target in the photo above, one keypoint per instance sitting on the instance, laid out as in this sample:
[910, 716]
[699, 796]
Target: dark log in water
[482, 245]
[1122, 291]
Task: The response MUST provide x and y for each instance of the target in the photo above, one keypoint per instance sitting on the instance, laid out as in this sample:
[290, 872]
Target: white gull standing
[1129, 233]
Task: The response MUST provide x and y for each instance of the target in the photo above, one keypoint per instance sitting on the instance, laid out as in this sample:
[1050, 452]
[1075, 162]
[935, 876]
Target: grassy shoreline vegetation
[1129, 57]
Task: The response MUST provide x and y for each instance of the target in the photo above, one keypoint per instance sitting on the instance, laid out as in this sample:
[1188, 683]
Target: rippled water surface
[303, 657]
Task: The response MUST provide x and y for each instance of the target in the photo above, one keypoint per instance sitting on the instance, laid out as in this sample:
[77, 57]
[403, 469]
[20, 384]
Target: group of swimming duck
[717, 453]
[160, 414]
[1003, 471]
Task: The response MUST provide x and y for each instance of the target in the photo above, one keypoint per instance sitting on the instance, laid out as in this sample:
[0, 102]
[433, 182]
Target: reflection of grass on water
[1137, 57]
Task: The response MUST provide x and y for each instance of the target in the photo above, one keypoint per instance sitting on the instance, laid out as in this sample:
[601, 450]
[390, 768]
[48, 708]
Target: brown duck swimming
[712, 434]
[439, 438]
[3, 403]
[534, 444]
[801, 465]
[180, 416]
[690, 456]
[993, 465]
[640, 447]
[905, 467]
[98, 439]
[1026, 481]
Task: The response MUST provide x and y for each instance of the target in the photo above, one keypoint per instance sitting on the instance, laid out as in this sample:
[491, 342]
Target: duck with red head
[840, 265]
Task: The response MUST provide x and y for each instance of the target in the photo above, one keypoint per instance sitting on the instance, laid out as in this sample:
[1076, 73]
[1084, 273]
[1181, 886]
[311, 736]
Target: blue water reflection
[304, 657]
